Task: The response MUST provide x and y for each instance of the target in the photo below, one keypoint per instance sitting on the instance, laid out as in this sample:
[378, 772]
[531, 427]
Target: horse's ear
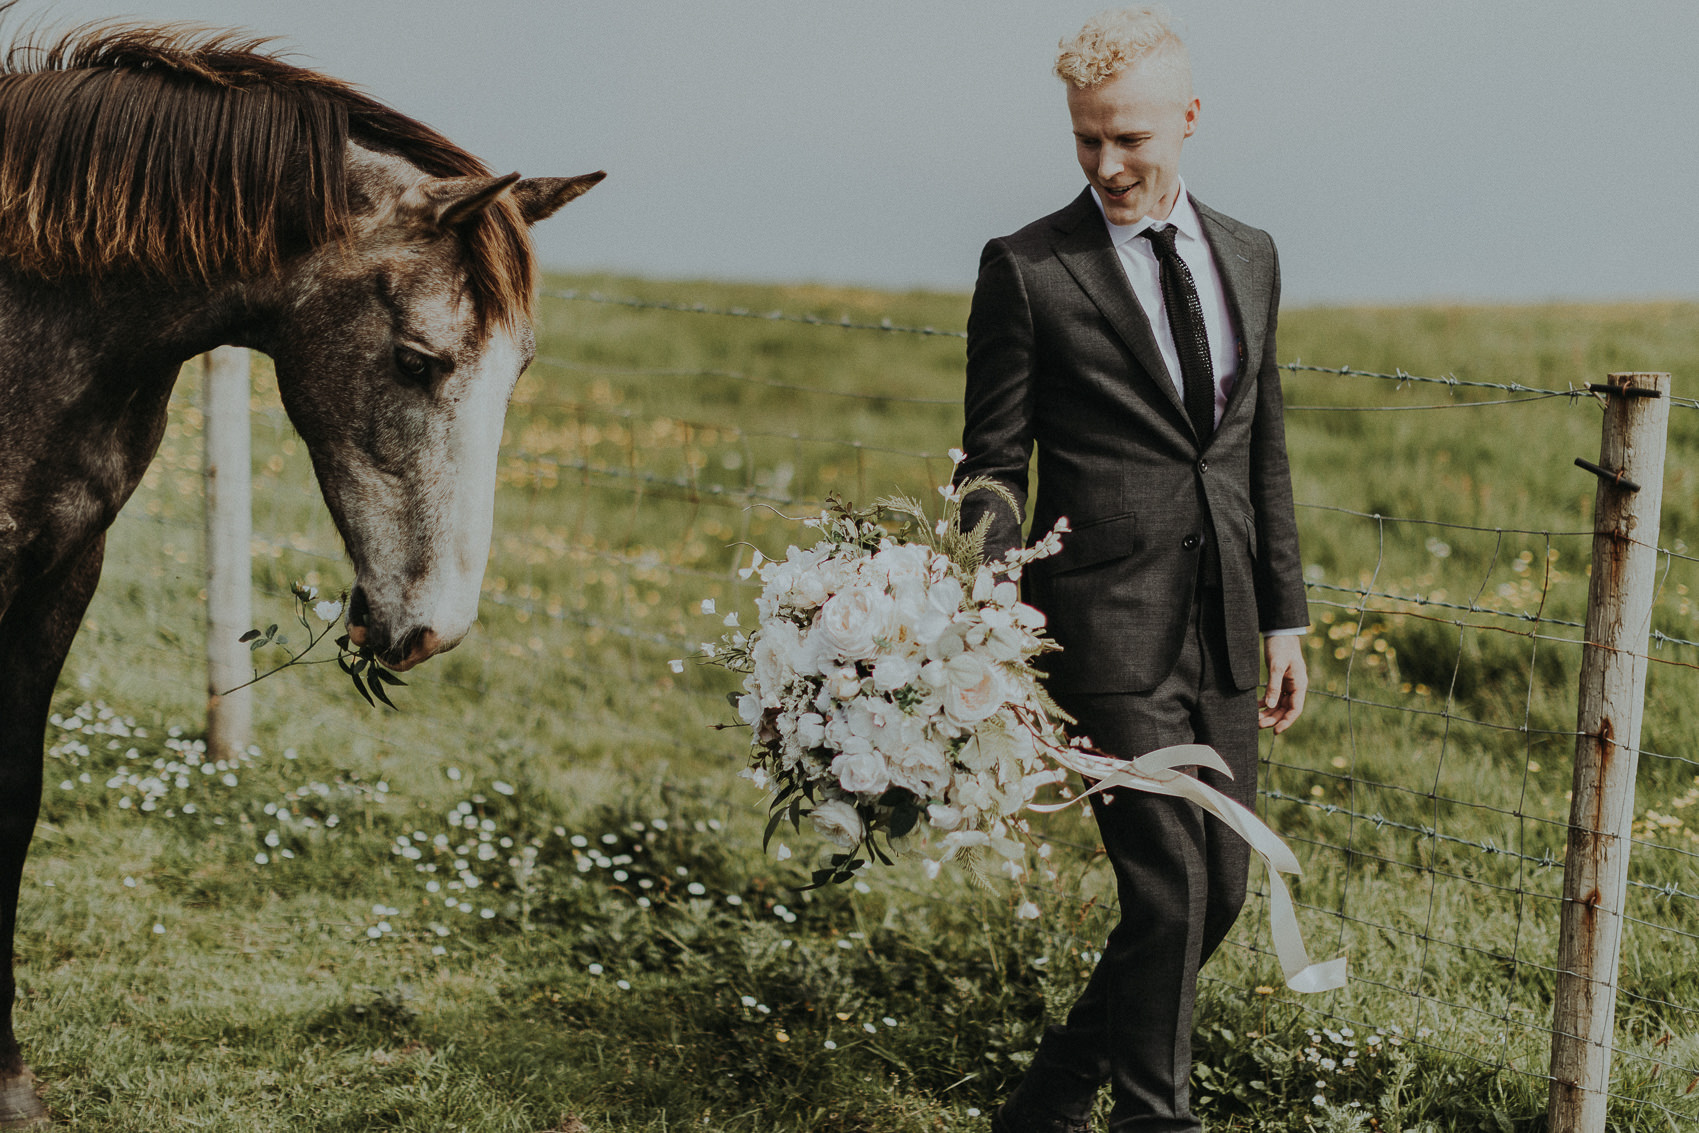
[542, 197]
[448, 202]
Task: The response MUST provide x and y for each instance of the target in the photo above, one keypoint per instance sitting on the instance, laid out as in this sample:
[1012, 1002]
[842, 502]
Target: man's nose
[1109, 164]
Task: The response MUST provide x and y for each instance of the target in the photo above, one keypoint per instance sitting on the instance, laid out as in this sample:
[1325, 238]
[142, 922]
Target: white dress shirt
[1144, 272]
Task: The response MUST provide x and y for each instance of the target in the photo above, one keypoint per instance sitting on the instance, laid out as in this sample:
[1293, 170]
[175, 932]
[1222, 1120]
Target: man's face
[1128, 131]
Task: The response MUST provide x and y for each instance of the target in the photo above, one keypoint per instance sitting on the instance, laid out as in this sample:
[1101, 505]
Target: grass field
[534, 899]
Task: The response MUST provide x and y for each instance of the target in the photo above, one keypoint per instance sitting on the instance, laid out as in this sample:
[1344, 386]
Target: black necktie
[1191, 340]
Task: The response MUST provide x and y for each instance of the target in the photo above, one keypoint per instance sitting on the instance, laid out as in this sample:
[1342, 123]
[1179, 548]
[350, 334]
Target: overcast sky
[1497, 150]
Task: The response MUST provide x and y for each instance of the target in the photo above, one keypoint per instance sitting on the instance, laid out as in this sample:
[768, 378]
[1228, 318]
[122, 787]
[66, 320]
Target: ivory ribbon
[1155, 773]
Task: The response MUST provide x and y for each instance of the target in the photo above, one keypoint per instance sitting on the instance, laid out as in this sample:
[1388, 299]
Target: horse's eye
[415, 367]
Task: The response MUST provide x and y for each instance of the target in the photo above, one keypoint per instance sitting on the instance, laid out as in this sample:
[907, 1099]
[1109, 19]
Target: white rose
[973, 689]
[922, 767]
[862, 773]
[809, 590]
[810, 729]
[901, 564]
[852, 621]
[838, 823]
[844, 684]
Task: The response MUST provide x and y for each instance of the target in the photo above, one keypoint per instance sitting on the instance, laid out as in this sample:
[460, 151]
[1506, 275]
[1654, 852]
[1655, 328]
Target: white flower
[676, 665]
[779, 652]
[852, 621]
[783, 853]
[894, 671]
[810, 729]
[1027, 912]
[838, 823]
[964, 839]
[943, 817]
[707, 605]
[845, 684]
[328, 611]
[957, 456]
[973, 689]
[862, 772]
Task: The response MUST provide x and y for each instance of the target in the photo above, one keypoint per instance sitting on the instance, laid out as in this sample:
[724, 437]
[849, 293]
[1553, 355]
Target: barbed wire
[1300, 408]
[1401, 377]
[733, 375]
[845, 323]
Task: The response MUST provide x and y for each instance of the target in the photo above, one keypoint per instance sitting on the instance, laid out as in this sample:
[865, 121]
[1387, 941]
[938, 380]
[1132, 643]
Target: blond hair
[1112, 41]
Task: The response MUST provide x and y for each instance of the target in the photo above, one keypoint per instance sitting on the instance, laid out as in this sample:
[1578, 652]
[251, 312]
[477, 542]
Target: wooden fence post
[1607, 747]
[229, 531]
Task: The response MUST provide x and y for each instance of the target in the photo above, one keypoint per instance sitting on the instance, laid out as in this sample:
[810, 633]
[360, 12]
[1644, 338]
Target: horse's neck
[85, 380]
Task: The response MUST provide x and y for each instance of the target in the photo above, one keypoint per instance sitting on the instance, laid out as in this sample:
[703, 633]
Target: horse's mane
[189, 154]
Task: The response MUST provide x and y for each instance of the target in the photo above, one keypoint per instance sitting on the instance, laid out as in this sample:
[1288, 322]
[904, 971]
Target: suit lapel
[1245, 282]
[1082, 245]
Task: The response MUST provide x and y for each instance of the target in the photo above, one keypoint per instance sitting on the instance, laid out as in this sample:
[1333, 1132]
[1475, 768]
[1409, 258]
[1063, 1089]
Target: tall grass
[535, 896]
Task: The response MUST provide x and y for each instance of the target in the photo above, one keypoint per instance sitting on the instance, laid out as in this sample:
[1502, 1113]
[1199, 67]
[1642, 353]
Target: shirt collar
[1183, 217]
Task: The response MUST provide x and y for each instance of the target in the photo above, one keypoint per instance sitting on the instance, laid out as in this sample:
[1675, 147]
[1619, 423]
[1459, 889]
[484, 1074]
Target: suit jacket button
[1190, 542]
[1203, 466]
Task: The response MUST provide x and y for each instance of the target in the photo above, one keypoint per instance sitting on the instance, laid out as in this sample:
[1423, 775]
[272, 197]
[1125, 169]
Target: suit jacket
[1061, 355]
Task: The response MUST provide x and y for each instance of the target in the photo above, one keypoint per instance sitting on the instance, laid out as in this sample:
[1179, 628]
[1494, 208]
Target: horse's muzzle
[408, 650]
[412, 649]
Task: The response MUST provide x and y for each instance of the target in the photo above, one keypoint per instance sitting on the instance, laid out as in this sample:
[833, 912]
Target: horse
[166, 190]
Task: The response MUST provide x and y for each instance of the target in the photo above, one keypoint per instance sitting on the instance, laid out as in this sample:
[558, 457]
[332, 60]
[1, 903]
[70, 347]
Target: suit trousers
[1181, 877]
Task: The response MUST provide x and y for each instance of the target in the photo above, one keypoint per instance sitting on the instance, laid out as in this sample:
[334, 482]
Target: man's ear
[541, 197]
[446, 202]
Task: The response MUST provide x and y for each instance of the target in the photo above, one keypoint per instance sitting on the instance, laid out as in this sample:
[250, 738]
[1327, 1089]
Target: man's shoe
[1007, 1119]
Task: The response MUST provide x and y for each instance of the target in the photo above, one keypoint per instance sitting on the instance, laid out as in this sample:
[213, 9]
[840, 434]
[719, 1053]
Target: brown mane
[188, 154]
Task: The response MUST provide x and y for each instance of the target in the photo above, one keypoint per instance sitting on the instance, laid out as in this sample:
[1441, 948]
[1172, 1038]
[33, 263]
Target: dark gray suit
[1180, 553]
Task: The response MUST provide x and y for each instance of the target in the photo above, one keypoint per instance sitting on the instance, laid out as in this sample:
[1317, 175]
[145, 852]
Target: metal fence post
[229, 531]
[1607, 746]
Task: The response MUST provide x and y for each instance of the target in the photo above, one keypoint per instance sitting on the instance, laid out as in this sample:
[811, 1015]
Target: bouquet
[890, 689]
[891, 697]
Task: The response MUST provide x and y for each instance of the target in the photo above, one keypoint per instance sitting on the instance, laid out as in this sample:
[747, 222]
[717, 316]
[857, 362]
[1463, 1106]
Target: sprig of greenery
[360, 662]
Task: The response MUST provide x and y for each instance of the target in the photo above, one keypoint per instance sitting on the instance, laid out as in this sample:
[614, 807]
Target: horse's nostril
[413, 648]
[359, 610]
[407, 646]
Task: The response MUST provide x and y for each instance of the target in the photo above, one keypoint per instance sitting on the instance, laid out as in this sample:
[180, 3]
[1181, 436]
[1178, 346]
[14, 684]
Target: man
[1130, 337]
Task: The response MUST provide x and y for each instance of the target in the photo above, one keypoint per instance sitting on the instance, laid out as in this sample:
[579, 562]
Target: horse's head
[395, 362]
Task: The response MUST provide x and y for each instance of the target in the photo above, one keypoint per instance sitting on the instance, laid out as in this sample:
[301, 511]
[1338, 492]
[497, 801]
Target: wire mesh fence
[1425, 790]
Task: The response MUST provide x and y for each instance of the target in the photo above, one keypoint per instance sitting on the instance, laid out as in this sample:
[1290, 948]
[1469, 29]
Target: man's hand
[1288, 680]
